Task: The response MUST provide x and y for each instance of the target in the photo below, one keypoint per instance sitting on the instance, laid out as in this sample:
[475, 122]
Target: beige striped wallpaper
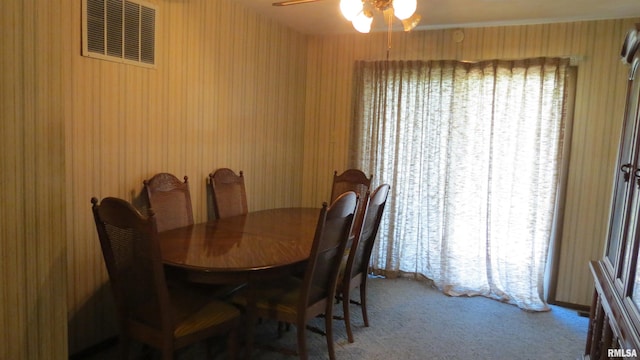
[34, 87]
[230, 89]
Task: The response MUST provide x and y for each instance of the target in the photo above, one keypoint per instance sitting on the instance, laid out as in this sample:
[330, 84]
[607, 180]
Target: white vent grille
[119, 30]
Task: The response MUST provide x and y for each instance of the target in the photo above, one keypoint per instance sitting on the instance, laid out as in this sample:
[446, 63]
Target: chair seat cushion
[196, 307]
[281, 295]
[211, 314]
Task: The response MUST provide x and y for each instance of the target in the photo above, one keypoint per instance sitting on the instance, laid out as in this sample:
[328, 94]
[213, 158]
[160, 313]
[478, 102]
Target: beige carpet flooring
[410, 320]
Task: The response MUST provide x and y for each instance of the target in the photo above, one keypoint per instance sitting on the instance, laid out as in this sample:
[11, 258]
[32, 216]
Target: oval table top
[241, 245]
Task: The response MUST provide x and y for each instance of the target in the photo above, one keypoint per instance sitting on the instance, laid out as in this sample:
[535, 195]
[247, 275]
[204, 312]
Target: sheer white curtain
[472, 152]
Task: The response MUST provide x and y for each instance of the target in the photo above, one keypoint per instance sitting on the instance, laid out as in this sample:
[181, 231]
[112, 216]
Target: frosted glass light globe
[362, 22]
[403, 9]
[350, 8]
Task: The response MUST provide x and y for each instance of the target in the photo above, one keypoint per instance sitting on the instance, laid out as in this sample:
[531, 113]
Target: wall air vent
[119, 30]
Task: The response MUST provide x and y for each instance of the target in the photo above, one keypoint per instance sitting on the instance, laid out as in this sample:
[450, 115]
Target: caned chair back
[132, 257]
[170, 200]
[331, 237]
[166, 318]
[356, 268]
[229, 193]
[360, 253]
[291, 300]
[352, 180]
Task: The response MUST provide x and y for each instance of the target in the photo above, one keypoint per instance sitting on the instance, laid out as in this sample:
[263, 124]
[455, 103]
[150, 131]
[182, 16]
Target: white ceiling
[323, 16]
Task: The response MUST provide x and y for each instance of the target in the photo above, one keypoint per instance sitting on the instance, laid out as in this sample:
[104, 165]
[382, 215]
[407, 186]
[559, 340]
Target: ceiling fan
[292, 2]
[360, 12]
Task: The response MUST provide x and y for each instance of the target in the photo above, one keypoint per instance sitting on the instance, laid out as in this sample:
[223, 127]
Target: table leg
[252, 317]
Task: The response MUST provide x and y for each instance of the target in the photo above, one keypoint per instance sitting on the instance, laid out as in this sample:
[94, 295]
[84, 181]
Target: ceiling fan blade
[292, 2]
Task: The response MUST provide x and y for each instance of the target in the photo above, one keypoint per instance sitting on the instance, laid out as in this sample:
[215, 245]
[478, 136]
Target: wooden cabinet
[615, 312]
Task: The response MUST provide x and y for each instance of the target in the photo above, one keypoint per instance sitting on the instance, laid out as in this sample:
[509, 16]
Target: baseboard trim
[583, 310]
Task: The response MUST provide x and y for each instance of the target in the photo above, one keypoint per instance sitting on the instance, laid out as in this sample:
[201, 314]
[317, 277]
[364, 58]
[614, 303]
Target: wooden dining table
[248, 248]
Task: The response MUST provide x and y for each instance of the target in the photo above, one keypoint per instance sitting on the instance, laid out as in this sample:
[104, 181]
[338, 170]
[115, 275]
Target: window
[473, 153]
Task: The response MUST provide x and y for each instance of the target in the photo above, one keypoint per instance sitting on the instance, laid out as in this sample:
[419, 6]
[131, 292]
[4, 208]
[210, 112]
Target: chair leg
[232, 343]
[167, 352]
[208, 349]
[123, 347]
[166, 355]
[302, 341]
[280, 329]
[346, 296]
[363, 302]
[328, 325]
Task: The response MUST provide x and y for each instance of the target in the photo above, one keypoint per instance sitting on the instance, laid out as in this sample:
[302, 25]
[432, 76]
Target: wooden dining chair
[229, 193]
[148, 310]
[170, 200]
[355, 272]
[352, 180]
[293, 300]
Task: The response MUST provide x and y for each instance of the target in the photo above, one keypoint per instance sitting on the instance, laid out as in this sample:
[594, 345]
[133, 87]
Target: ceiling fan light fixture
[351, 8]
[362, 22]
[403, 9]
[411, 22]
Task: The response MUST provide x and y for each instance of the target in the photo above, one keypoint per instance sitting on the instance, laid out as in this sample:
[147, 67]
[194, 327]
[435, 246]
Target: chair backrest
[229, 194]
[331, 236]
[170, 200]
[132, 256]
[360, 253]
[352, 180]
